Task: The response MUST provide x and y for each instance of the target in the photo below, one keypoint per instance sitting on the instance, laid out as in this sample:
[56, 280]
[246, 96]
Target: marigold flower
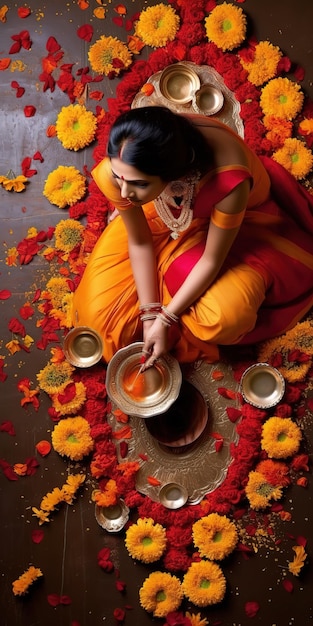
[22, 584]
[295, 157]
[54, 377]
[161, 593]
[145, 540]
[196, 619]
[157, 25]
[70, 405]
[16, 183]
[215, 536]
[64, 186]
[68, 235]
[204, 583]
[260, 492]
[281, 437]
[75, 127]
[296, 565]
[109, 55]
[57, 288]
[275, 472]
[281, 97]
[226, 26]
[71, 437]
[107, 496]
[263, 66]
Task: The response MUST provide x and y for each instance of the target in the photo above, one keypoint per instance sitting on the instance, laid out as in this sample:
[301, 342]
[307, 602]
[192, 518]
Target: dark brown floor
[72, 540]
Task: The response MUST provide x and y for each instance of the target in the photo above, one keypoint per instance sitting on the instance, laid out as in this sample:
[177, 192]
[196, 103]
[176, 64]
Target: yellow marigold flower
[226, 26]
[72, 406]
[17, 183]
[64, 312]
[54, 377]
[196, 619]
[215, 536]
[280, 437]
[260, 492]
[22, 584]
[43, 516]
[157, 25]
[264, 64]
[295, 157]
[11, 256]
[301, 336]
[161, 593]
[64, 186]
[68, 235]
[75, 127]
[296, 565]
[72, 484]
[204, 583]
[51, 500]
[281, 97]
[145, 540]
[104, 54]
[71, 437]
[57, 287]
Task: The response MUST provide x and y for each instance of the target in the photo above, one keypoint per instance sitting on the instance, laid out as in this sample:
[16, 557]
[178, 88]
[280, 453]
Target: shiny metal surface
[150, 393]
[228, 114]
[83, 346]
[173, 496]
[208, 100]
[112, 518]
[178, 83]
[262, 385]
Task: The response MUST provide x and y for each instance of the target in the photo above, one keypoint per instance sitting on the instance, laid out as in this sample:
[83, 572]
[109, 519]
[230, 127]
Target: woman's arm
[218, 244]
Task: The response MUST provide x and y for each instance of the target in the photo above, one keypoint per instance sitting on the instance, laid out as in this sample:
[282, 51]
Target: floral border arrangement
[270, 453]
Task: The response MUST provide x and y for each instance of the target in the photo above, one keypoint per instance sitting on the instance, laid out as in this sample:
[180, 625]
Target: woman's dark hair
[158, 142]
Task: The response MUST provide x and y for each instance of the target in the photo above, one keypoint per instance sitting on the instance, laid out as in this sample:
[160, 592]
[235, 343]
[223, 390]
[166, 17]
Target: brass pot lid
[262, 385]
[150, 393]
[83, 346]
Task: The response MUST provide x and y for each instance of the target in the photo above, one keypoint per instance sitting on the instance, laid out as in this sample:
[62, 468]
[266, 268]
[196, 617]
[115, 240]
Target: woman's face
[136, 186]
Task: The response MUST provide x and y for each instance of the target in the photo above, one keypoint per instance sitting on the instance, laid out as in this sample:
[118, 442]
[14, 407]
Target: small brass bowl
[208, 100]
[83, 346]
[178, 83]
[173, 496]
[112, 518]
[262, 385]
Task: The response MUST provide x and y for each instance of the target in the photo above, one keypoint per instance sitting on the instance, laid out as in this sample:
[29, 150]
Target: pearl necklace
[179, 195]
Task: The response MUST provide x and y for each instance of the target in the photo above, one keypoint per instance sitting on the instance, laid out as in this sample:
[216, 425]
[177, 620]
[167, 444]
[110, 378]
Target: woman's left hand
[155, 336]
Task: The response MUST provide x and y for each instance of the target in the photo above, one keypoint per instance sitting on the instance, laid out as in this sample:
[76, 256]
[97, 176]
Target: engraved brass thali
[143, 394]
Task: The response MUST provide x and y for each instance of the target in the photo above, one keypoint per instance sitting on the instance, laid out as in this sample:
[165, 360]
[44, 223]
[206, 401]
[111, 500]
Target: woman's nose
[125, 189]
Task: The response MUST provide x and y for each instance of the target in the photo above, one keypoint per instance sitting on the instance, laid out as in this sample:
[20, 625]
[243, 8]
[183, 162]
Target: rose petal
[23, 12]
[288, 585]
[7, 427]
[251, 608]
[29, 111]
[53, 599]
[37, 536]
[85, 32]
[43, 447]
[5, 294]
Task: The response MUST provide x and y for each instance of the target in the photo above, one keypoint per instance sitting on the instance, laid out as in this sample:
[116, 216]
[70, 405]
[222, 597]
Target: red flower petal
[38, 157]
[16, 327]
[43, 447]
[85, 32]
[23, 12]
[37, 536]
[153, 481]
[7, 427]
[119, 615]
[233, 414]
[251, 608]
[29, 110]
[15, 47]
[5, 294]
[52, 45]
[123, 449]
[288, 585]
[53, 599]
[66, 600]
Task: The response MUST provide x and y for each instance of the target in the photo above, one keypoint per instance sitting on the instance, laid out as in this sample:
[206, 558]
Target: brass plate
[112, 518]
[184, 421]
[150, 393]
[173, 496]
[229, 113]
[83, 346]
[262, 385]
[198, 468]
[208, 100]
[178, 83]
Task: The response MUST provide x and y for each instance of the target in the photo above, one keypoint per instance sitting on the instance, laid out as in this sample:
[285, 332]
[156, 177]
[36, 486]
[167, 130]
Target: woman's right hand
[155, 337]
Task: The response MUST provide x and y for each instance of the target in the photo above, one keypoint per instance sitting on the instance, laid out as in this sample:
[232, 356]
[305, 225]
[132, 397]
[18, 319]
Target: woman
[203, 251]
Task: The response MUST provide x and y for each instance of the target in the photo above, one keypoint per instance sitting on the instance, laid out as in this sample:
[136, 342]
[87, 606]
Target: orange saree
[264, 287]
